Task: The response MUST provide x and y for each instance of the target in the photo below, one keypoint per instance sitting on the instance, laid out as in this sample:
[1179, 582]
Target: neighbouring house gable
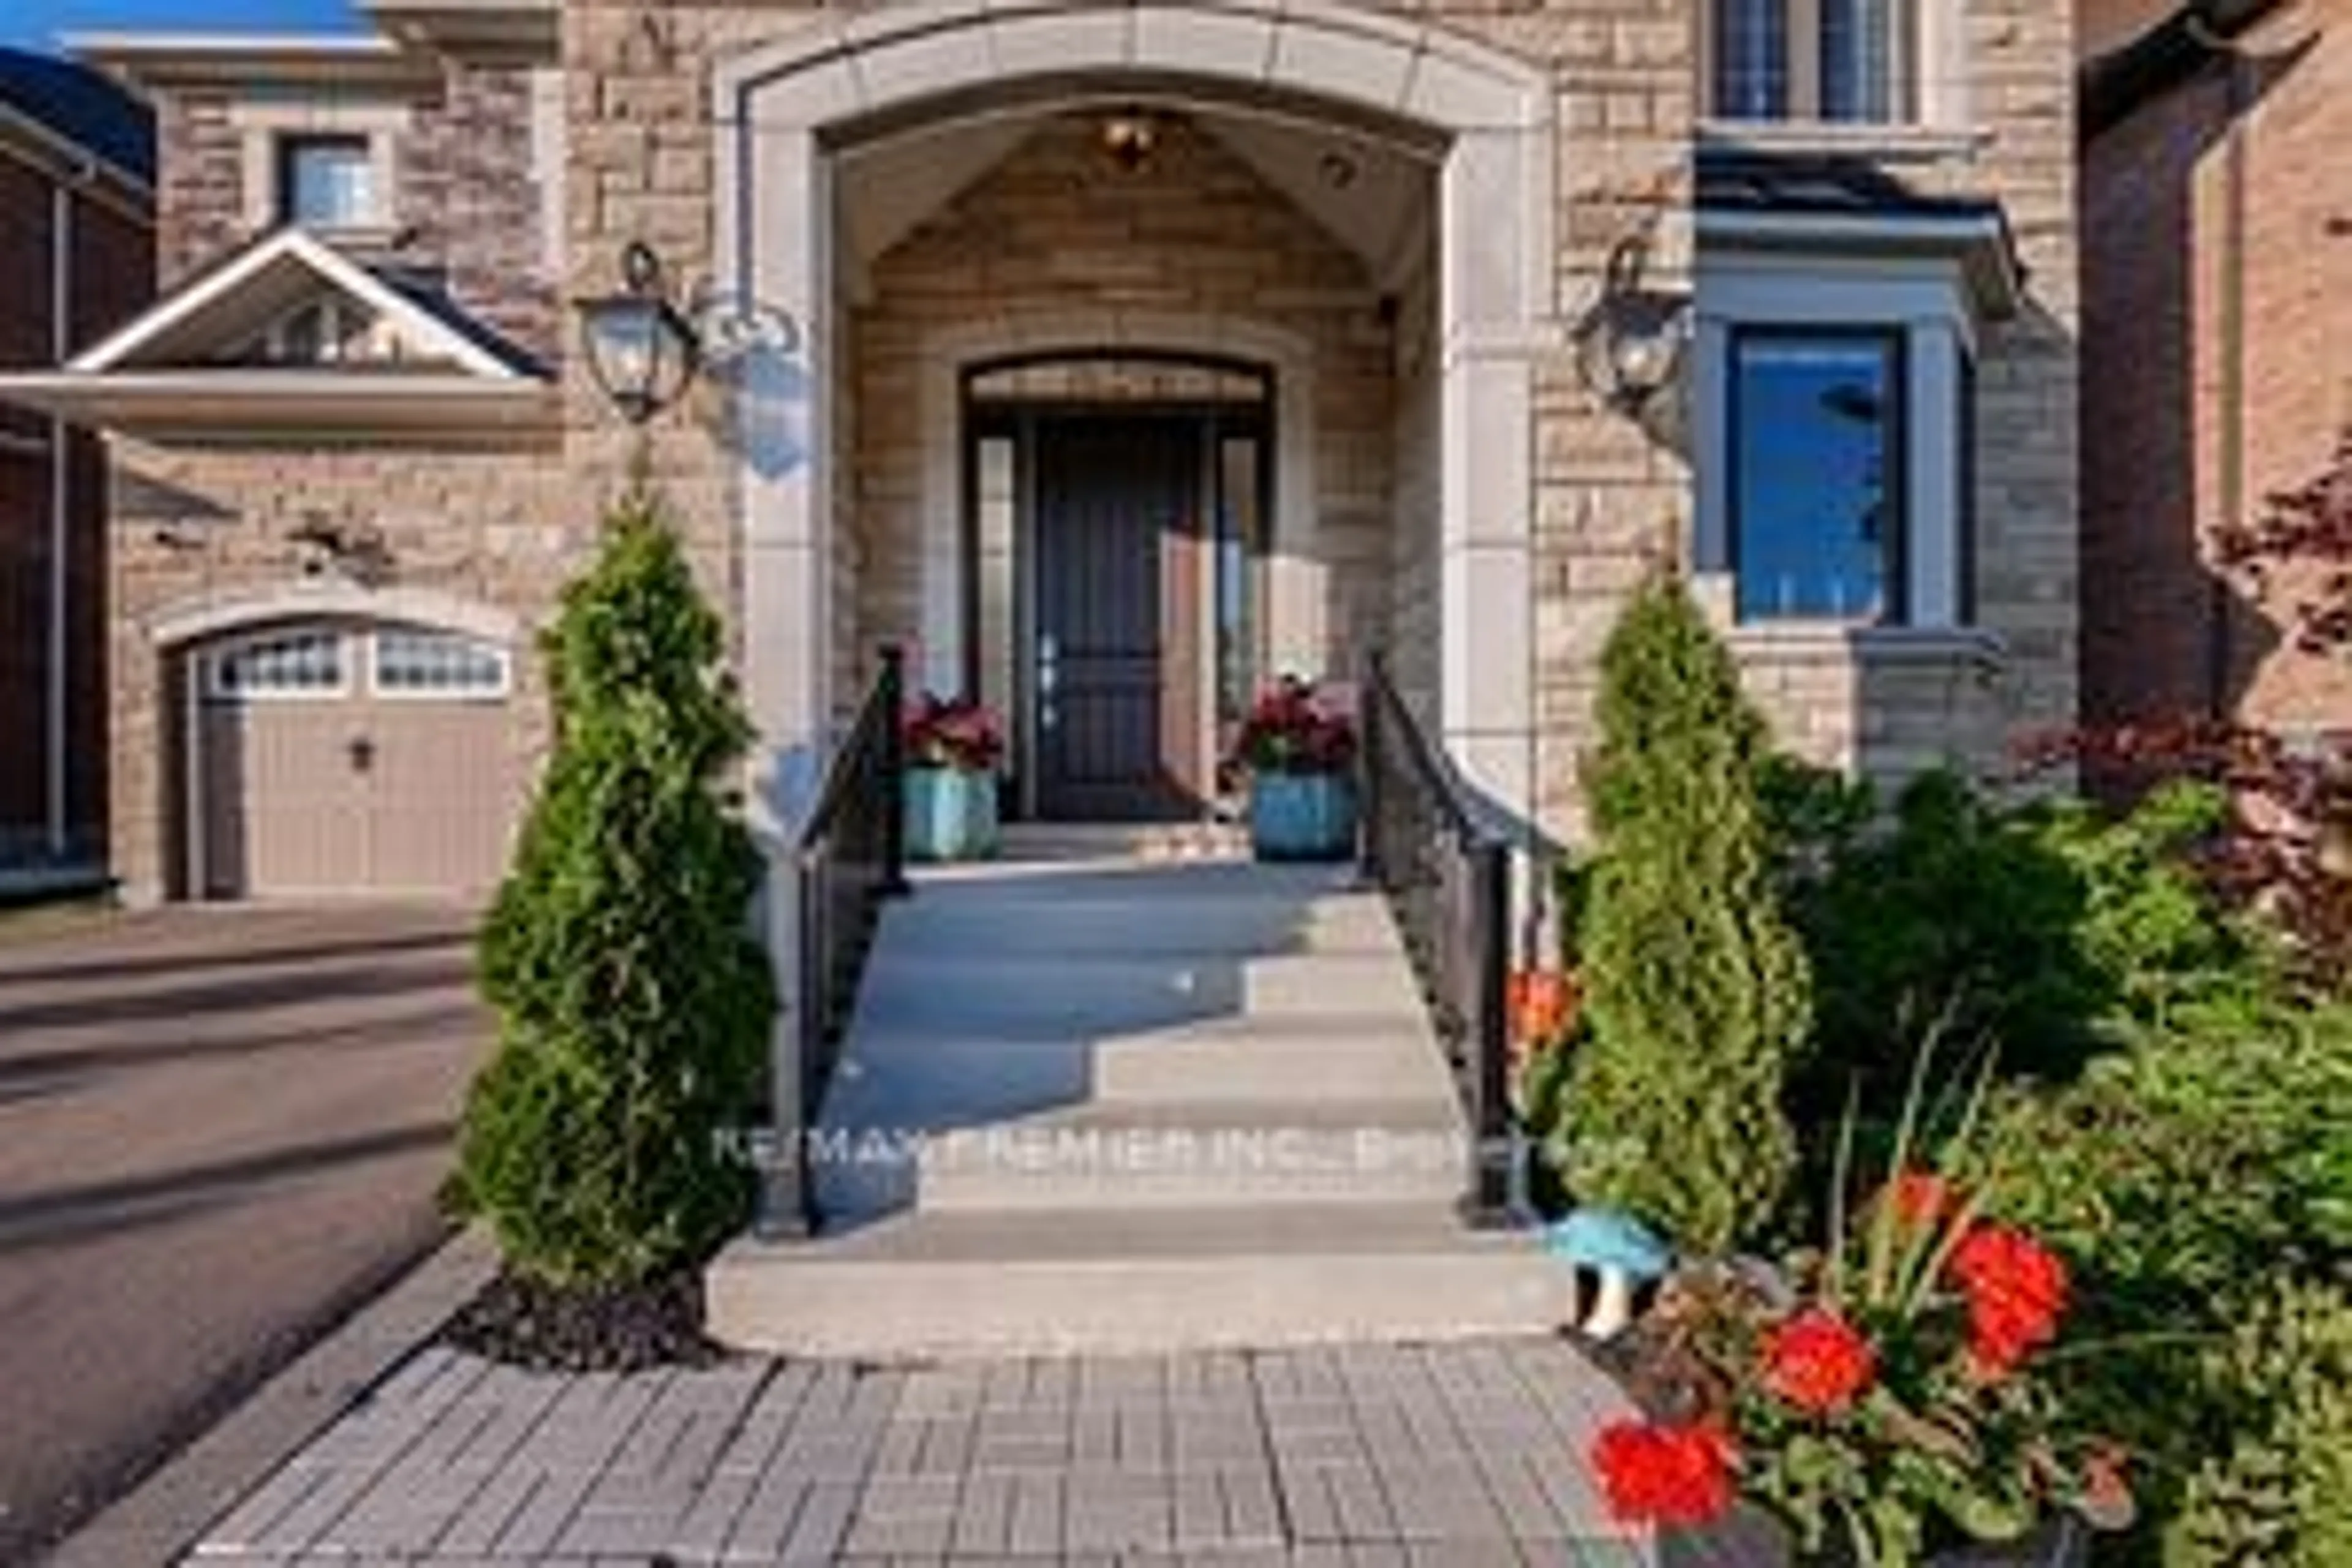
[292, 341]
[295, 301]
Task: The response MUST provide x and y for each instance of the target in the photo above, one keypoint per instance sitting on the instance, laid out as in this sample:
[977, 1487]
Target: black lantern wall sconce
[645, 349]
[1632, 344]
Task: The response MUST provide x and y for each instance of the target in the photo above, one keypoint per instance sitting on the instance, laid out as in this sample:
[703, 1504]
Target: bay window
[1817, 439]
[1831, 420]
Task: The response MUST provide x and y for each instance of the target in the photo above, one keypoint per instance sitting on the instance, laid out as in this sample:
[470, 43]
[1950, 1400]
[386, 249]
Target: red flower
[1665, 1475]
[1919, 1198]
[1542, 1006]
[1817, 1361]
[2016, 1291]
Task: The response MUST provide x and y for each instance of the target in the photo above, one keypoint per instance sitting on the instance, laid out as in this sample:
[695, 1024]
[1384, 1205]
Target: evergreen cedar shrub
[2280, 1494]
[1697, 991]
[633, 1004]
[2198, 1170]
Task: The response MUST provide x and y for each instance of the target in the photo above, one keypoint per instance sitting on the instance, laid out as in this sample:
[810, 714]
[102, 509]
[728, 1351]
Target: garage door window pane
[293, 664]
[435, 664]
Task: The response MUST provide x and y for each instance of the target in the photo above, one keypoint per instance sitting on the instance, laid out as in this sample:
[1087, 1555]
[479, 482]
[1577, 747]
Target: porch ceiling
[1370, 195]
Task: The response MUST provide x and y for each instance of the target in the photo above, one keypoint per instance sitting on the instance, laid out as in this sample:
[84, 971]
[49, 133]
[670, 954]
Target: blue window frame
[1817, 426]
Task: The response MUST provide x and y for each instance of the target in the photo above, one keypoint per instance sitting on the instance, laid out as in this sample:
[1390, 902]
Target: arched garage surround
[785, 107]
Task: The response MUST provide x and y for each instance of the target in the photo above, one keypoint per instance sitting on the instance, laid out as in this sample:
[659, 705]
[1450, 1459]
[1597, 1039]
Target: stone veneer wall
[199, 183]
[1416, 630]
[464, 182]
[1055, 230]
[470, 185]
[2027, 496]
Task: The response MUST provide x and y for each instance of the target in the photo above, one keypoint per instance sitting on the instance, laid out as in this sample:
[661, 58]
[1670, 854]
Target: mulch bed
[549, 1328]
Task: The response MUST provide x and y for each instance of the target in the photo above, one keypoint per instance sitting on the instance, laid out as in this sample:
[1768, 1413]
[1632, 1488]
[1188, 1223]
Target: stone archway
[949, 355]
[782, 108]
[194, 620]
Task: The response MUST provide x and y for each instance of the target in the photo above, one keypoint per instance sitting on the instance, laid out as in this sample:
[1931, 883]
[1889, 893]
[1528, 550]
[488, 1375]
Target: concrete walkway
[1467, 1453]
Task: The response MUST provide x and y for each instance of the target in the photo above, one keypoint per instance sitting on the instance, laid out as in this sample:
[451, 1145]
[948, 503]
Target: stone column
[787, 604]
[1487, 300]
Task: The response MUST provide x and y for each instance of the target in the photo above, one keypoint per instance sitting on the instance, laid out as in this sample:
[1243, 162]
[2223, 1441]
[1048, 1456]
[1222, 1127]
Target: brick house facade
[2217, 235]
[1353, 262]
[75, 261]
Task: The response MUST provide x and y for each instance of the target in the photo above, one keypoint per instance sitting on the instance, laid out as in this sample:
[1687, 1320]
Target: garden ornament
[1618, 1247]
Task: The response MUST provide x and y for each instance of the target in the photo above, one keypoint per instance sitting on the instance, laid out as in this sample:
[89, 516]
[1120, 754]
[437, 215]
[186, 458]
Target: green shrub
[1696, 990]
[633, 1005]
[2191, 1171]
[2031, 927]
[2170, 1114]
[2280, 1495]
[1960, 916]
[2212, 1149]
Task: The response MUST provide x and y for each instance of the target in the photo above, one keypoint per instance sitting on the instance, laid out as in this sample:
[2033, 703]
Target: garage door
[340, 759]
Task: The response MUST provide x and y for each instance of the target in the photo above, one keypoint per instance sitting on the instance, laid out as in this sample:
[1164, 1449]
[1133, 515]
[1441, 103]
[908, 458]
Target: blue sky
[34, 24]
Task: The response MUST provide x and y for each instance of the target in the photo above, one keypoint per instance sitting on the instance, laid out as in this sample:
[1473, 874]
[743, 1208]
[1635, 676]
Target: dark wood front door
[1118, 504]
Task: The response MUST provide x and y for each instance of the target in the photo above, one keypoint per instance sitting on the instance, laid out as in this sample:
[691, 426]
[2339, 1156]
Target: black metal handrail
[1448, 881]
[851, 857]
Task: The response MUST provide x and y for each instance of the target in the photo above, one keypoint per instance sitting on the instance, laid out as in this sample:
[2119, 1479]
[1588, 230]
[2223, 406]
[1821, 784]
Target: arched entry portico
[788, 109]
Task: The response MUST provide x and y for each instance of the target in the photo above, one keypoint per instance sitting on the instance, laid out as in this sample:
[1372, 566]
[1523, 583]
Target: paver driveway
[217, 1128]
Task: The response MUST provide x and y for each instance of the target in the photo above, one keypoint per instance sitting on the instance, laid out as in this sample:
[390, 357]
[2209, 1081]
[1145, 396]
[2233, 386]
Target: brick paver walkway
[1454, 1454]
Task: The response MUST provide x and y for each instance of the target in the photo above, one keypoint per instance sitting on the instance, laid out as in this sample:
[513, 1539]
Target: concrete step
[946, 1076]
[1059, 1282]
[1254, 1061]
[1000, 995]
[1155, 842]
[1160, 1154]
[1087, 922]
[1026, 881]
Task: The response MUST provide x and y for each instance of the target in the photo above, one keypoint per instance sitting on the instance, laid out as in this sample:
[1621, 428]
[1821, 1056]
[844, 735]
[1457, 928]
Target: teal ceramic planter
[1302, 816]
[950, 814]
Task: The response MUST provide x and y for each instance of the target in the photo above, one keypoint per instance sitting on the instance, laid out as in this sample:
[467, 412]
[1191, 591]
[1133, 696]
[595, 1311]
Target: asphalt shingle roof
[1819, 183]
[83, 106]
